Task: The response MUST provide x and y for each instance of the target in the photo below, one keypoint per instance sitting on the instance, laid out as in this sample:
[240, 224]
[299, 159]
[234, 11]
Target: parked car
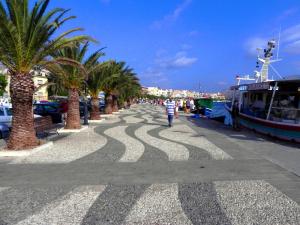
[5, 115]
[48, 109]
[4, 131]
[101, 105]
[81, 107]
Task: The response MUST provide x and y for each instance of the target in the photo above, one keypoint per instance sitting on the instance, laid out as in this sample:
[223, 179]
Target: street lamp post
[85, 118]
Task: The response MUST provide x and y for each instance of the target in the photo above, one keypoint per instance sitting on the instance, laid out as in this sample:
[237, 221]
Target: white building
[39, 79]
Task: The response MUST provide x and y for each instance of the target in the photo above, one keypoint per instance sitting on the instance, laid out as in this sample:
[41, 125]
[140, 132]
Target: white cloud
[164, 64]
[290, 41]
[293, 48]
[291, 33]
[152, 72]
[252, 44]
[171, 18]
[179, 60]
[184, 61]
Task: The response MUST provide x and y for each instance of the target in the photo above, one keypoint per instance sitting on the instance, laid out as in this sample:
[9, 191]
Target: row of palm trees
[30, 38]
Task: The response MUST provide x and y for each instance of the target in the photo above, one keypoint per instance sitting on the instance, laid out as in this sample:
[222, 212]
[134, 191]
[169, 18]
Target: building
[40, 80]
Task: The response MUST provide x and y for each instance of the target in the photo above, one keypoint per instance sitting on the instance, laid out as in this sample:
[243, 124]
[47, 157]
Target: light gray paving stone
[132, 119]
[70, 209]
[195, 153]
[17, 203]
[68, 149]
[134, 149]
[175, 152]
[159, 204]
[148, 118]
[256, 202]
[184, 134]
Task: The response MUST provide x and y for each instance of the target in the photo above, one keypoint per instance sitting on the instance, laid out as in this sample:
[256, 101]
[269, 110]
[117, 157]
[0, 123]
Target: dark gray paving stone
[112, 151]
[151, 153]
[113, 205]
[195, 153]
[200, 204]
[17, 203]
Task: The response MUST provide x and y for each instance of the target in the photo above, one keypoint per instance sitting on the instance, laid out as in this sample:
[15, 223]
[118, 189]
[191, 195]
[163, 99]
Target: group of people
[186, 105]
[172, 108]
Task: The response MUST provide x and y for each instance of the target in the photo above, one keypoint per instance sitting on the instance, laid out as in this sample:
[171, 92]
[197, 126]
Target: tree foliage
[3, 84]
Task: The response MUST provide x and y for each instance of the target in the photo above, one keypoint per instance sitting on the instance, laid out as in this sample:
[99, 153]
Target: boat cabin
[274, 100]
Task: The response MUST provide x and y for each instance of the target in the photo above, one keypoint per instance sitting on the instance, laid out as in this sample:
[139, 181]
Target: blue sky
[180, 44]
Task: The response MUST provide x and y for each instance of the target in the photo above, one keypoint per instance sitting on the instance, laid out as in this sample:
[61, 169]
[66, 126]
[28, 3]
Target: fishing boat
[211, 108]
[268, 106]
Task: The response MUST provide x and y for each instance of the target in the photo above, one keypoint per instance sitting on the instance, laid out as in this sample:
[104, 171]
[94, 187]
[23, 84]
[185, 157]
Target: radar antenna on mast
[264, 57]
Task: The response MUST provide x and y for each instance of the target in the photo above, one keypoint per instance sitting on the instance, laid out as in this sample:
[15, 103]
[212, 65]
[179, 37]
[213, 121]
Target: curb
[63, 130]
[96, 121]
[107, 115]
[21, 153]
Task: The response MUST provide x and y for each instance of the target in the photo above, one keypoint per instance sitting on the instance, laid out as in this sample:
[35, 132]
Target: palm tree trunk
[115, 104]
[108, 104]
[95, 113]
[73, 116]
[122, 104]
[23, 135]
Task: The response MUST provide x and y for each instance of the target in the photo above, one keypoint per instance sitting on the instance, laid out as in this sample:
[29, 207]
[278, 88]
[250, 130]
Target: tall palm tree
[113, 72]
[73, 76]
[130, 90]
[27, 39]
[95, 84]
[128, 86]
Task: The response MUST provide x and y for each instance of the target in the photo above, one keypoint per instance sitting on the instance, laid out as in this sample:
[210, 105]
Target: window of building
[40, 81]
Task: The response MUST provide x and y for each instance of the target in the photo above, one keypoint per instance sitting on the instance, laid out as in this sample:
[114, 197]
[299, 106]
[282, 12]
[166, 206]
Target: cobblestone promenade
[133, 169]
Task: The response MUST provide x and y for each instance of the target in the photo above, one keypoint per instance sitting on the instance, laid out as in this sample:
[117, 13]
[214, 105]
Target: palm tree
[73, 76]
[129, 91]
[95, 84]
[113, 73]
[27, 39]
[117, 81]
[128, 87]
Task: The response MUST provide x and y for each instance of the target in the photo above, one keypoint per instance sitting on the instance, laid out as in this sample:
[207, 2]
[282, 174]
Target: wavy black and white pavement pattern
[134, 169]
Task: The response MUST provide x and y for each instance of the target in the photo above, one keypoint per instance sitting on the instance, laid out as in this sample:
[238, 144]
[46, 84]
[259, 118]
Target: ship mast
[266, 61]
[263, 75]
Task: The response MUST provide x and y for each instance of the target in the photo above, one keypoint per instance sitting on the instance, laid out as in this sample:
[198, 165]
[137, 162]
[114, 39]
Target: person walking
[188, 106]
[170, 111]
[176, 108]
[235, 116]
[184, 105]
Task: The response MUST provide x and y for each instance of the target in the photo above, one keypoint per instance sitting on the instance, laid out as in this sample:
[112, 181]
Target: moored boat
[270, 107]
